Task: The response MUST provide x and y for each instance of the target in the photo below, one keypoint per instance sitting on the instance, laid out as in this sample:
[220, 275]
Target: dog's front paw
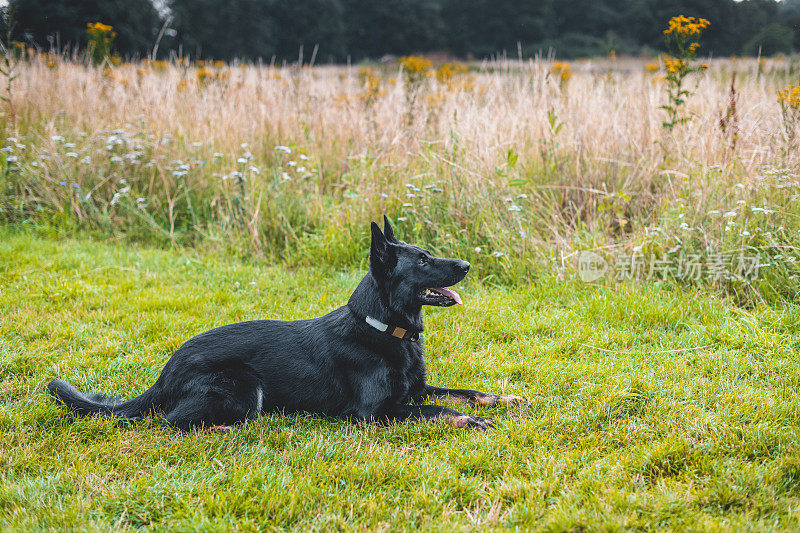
[219, 429]
[512, 400]
[474, 422]
[506, 400]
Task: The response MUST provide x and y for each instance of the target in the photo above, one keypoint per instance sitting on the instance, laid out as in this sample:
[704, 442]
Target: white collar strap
[377, 324]
[394, 331]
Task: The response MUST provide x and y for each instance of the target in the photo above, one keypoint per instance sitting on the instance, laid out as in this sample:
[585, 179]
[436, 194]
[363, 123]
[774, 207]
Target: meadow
[144, 202]
[651, 408]
[514, 165]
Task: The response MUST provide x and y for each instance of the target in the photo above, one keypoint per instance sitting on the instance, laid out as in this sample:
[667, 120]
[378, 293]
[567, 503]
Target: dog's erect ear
[381, 255]
[388, 231]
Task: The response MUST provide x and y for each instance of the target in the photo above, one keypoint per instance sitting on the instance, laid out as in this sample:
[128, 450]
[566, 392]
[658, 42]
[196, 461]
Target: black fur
[336, 365]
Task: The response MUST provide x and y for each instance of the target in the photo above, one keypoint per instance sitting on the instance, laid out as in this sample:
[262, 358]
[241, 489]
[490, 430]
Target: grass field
[651, 407]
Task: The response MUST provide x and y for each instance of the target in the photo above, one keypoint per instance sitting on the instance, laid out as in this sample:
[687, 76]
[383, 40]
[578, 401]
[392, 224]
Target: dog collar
[394, 331]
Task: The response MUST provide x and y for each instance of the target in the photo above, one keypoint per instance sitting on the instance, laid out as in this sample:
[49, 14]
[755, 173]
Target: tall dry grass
[512, 165]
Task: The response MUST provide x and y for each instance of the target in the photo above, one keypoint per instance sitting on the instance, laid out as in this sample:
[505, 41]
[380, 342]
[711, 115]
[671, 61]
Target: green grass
[651, 408]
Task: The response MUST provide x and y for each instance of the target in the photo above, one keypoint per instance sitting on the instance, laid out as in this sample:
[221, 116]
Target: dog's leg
[399, 413]
[473, 397]
[211, 412]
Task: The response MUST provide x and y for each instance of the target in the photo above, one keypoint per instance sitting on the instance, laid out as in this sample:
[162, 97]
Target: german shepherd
[363, 362]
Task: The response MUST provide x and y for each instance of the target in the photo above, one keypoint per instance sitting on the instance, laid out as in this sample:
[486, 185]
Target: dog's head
[410, 275]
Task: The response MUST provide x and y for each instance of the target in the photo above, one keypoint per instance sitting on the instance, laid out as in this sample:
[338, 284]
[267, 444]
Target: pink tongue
[450, 294]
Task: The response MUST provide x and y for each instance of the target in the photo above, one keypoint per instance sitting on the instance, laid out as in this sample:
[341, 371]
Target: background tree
[307, 24]
[375, 28]
[63, 23]
[363, 29]
[482, 27]
[223, 29]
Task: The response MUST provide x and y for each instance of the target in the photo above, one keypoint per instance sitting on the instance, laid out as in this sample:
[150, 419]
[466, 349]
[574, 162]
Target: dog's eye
[423, 260]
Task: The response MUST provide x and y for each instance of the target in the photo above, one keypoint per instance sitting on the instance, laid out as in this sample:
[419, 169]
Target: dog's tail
[88, 403]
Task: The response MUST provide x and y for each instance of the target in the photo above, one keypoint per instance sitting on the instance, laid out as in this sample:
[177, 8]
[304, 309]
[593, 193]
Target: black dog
[363, 361]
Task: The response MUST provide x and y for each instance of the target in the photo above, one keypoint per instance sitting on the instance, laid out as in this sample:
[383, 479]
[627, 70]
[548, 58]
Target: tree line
[355, 30]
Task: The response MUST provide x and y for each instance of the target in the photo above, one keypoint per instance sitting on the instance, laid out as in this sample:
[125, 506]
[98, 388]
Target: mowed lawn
[650, 407]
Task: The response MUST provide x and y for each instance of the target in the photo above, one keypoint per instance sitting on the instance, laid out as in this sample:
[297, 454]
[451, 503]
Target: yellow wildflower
[446, 71]
[98, 27]
[790, 97]
[204, 75]
[686, 26]
[561, 69]
[416, 64]
[673, 64]
[651, 67]
[372, 86]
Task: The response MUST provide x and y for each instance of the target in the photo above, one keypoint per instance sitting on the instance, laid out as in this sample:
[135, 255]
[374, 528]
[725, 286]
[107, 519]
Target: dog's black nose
[464, 266]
